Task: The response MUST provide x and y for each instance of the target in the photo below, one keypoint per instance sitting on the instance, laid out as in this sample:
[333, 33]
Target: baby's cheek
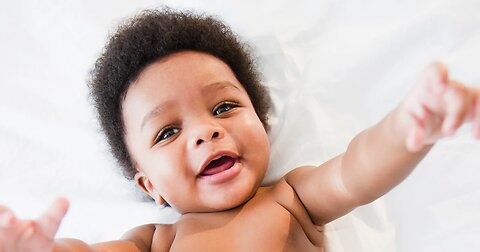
[257, 136]
[254, 126]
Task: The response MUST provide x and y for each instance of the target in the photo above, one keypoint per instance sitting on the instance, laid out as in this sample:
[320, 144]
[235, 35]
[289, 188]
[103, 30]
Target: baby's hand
[439, 106]
[31, 235]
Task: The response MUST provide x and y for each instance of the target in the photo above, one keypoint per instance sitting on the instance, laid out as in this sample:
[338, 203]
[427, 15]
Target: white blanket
[333, 68]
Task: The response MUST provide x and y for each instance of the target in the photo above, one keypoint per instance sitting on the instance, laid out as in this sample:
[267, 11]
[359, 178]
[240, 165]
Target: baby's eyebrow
[207, 89]
[155, 111]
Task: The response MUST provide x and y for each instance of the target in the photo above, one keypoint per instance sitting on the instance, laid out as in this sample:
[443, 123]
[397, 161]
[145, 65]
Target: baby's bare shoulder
[285, 194]
[152, 237]
[283, 187]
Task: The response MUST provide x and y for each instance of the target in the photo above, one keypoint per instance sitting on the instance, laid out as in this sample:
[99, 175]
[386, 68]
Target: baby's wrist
[400, 124]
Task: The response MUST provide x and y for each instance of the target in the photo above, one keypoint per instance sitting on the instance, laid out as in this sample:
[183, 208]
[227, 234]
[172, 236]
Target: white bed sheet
[333, 68]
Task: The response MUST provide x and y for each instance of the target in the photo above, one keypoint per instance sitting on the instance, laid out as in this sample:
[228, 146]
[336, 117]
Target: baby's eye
[224, 107]
[166, 133]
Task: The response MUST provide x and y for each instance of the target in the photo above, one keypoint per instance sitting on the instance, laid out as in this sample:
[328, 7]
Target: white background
[333, 68]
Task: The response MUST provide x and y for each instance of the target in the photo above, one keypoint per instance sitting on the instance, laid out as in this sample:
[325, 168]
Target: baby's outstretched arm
[381, 156]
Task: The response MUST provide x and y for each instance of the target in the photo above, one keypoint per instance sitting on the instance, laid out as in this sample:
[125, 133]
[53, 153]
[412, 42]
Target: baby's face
[194, 135]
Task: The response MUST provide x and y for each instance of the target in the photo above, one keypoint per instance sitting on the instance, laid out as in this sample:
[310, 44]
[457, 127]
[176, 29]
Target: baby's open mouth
[218, 165]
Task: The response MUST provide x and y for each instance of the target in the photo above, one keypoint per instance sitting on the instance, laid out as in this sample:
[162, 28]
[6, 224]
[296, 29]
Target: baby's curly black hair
[153, 35]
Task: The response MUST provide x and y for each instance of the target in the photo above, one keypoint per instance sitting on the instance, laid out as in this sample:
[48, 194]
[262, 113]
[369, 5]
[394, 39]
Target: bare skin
[226, 209]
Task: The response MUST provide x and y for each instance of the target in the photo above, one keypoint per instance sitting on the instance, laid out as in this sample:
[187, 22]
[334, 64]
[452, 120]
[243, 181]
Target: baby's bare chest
[257, 226]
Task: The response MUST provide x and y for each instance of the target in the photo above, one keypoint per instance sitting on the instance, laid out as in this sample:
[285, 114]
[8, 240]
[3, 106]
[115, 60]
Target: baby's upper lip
[214, 156]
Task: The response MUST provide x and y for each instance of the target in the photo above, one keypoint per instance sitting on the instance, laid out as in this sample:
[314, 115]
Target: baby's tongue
[218, 165]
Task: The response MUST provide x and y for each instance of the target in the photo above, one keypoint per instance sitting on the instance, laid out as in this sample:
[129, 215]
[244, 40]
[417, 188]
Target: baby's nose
[214, 135]
[206, 133]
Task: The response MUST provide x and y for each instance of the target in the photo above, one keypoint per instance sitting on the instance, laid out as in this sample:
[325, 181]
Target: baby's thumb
[415, 139]
[50, 221]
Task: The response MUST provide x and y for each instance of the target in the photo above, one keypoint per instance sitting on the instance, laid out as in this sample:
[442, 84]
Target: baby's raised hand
[31, 235]
[438, 106]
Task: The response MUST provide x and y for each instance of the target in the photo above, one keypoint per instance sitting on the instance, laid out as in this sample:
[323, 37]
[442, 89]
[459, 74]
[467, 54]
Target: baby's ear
[144, 183]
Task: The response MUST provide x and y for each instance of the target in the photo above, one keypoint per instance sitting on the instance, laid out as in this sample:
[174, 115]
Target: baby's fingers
[458, 105]
[476, 116]
[50, 221]
[7, 218]
[435, 78]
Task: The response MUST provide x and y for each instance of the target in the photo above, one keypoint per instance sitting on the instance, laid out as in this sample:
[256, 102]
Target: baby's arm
[38, 235]
[381, 156]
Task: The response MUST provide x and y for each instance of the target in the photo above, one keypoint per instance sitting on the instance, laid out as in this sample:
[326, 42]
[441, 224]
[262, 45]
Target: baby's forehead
[190, 70]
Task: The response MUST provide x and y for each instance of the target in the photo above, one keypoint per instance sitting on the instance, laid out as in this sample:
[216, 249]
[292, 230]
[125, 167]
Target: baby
[184, 112]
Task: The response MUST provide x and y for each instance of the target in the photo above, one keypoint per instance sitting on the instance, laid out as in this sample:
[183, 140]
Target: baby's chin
[220, 204]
